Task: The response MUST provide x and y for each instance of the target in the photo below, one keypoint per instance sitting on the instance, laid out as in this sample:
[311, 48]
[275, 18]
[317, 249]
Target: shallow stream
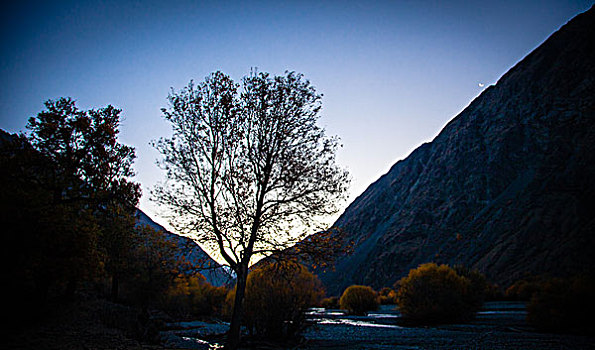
[499, 325]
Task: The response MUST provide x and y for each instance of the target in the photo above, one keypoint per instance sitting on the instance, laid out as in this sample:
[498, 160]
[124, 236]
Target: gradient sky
[392, 73]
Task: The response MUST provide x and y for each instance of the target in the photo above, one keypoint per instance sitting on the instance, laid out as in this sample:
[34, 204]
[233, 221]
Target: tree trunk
[233, 337]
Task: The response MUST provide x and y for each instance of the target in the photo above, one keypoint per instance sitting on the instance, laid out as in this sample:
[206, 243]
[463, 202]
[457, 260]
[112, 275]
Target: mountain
[215, 274]
[507, 187]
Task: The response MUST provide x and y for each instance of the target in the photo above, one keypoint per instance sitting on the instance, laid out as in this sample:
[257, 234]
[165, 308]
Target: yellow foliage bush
[330, 303]
[522, 290]
[359, 299]
[194, 296]
[277, 294]
[387, 296]
[437, 294]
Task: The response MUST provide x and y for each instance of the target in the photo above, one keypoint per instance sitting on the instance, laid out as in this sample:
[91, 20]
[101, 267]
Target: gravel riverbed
[500, 325]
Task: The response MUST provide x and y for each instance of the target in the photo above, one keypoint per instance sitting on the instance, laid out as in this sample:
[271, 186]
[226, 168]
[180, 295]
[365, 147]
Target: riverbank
[499, 325]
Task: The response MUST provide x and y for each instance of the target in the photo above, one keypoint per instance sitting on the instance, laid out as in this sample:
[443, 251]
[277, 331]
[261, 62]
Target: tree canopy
[89, 163]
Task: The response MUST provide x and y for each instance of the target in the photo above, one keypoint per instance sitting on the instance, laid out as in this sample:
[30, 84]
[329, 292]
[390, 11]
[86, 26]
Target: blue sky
[392, 73]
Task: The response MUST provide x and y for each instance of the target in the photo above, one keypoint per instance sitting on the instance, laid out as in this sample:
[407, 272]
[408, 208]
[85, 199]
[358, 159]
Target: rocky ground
[500, 325]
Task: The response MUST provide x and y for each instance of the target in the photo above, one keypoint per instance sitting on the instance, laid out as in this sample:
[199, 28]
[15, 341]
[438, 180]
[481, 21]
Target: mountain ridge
[480, 191]
[192, 252]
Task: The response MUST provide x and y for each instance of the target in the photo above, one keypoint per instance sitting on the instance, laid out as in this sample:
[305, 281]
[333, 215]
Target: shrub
[277, 295]
[151, 268]
[564, 305]
[192, 296]
[494, 293]
[387, 296]
[359, 299]
[330, 303]
[478, 286]
[437, 294]
[522, 290]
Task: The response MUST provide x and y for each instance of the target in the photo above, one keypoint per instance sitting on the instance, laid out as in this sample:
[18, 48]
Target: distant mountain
[4, 136]
[507, 187]
[215, 274]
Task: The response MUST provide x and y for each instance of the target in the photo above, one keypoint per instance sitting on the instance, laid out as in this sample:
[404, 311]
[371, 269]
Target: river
[499, 325]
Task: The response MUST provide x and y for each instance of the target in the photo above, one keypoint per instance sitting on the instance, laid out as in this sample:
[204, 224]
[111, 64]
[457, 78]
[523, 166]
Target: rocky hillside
[215, 274]
[507, 187]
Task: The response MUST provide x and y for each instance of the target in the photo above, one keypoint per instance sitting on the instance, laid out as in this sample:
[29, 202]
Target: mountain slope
[506, 187]
[213, 272]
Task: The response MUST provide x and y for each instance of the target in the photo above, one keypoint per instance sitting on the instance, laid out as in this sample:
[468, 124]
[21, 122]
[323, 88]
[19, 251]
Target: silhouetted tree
[117, 242]
[247, 169]
[90, 173]
[45, 245]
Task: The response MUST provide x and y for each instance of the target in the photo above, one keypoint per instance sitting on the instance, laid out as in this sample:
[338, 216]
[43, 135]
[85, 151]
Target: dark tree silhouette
[249, 171]
[90, 164]
[45, 244]
[90, 173]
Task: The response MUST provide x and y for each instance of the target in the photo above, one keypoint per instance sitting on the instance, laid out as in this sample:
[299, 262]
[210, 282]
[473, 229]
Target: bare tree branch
[248, 167]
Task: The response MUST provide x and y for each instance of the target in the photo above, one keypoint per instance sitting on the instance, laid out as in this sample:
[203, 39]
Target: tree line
[67, 209]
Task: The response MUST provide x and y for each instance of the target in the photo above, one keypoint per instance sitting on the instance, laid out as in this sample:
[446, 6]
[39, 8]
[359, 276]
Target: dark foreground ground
[500, 325]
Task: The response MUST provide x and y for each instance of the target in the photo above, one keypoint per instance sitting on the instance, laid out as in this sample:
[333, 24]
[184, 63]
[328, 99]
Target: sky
[393, 73]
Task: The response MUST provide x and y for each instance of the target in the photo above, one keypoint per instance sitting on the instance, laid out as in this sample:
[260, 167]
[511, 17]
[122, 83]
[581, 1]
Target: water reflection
[387, 316]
